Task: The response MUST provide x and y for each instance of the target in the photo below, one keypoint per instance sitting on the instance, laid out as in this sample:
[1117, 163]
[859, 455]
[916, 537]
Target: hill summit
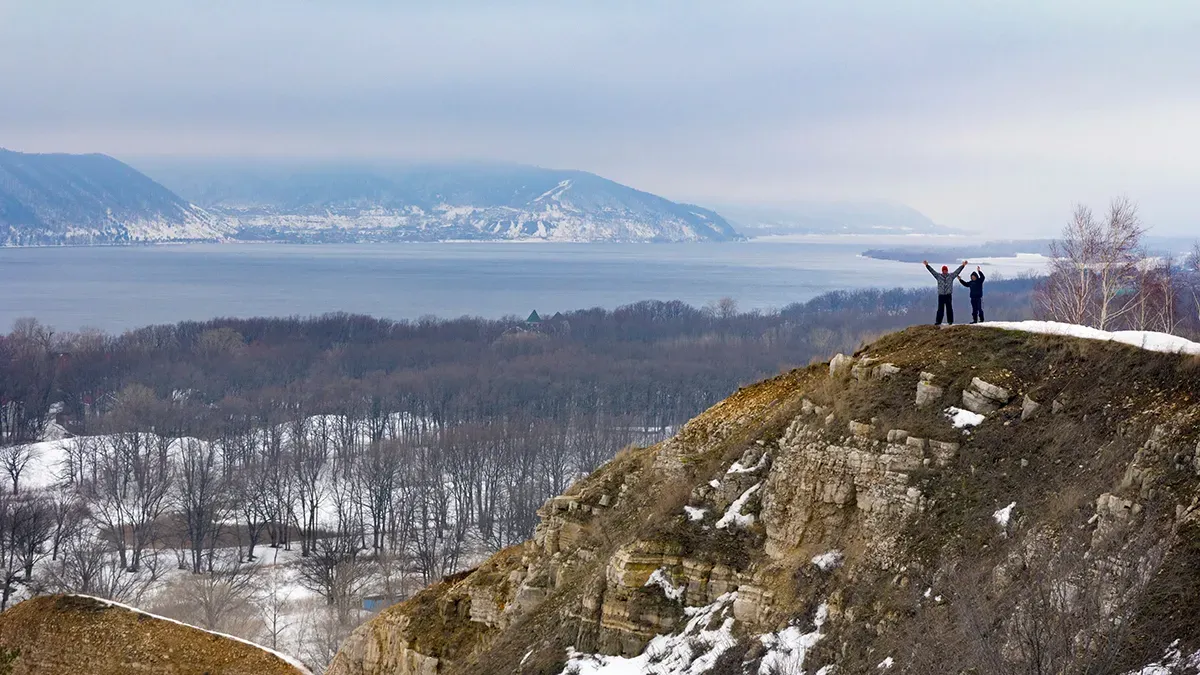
[971, 500]
[81, 634]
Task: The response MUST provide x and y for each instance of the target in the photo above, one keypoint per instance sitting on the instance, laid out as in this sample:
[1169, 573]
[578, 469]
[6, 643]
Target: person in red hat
[945, 284]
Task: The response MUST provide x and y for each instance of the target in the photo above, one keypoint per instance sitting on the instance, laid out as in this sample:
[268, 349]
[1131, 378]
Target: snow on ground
[886, 663]
[661, 578]
[733, 515]
[1002, 516]
[787, 649]
[694, 513]
[284, 657]
[962, 419]
[738, 468]
[1174, 661]
[692, 651]
[1149, 340]
[830, 560]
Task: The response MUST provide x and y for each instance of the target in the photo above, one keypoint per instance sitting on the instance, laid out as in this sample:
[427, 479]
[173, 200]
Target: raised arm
[960, 280]
[935, 274]
[959, 270]
[979, 271]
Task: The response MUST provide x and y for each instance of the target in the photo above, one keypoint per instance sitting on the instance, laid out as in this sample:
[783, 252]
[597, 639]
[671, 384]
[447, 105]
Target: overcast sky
[995, 116]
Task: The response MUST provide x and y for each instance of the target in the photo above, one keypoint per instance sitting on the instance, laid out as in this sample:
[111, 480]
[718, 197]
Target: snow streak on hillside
[1144, 339]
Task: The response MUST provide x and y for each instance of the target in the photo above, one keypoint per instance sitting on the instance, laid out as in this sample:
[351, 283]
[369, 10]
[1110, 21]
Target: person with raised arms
[945, 286]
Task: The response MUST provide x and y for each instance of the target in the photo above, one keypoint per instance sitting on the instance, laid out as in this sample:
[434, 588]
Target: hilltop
[964, 500]
[80, 634]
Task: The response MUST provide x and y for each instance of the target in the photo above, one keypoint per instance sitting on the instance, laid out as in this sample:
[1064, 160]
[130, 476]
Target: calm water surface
[116, 288]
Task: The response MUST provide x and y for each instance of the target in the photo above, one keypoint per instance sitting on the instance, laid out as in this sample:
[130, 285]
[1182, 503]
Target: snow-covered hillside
[439, 203]
[57, 199]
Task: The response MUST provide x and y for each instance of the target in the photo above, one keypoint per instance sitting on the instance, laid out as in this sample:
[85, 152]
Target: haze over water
[119, 288]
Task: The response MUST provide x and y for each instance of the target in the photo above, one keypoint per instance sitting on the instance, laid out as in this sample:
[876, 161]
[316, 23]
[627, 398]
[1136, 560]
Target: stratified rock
[984, 398]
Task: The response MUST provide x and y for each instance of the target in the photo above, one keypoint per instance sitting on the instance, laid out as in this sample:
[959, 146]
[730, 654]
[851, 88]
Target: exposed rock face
[76, 634]
[831, 486]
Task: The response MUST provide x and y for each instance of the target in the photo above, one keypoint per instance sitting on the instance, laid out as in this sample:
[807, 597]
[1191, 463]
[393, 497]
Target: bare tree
[14, 459]
[220, 597]
[1094, 267]
[88, 565]
[336, 572]
[273, 598]
[201, 498]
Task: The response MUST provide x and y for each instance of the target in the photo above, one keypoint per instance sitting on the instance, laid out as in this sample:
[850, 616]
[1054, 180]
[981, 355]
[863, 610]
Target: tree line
[1102, 276]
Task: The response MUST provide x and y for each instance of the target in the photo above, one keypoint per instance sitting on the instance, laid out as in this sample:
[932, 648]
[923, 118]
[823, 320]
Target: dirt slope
[74, 634]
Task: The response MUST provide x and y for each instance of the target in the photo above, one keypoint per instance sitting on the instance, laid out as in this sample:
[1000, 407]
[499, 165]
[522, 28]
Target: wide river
[117, 288]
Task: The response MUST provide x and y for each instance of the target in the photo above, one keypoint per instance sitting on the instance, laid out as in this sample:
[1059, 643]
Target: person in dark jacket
[976, 286]
[945, 284]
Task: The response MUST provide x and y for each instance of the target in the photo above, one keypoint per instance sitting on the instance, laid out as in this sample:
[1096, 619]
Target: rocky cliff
[76, 634]
[969, 500]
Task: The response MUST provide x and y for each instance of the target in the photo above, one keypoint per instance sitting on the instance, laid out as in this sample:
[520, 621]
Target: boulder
[984, 397]
[885, 370]
[860, 429]
[927, 391]
[839, 363]
[1030, 408]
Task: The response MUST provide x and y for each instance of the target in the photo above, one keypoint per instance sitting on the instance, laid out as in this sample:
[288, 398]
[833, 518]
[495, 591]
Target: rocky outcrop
[78, 634]
[984, 397]
[828, 500]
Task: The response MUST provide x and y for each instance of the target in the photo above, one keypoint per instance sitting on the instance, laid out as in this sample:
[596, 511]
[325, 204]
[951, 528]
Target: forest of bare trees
[379, 454]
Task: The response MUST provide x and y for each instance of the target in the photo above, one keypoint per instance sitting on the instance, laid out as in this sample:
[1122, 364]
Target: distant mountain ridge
[61, 199]
[365, 202]
[90, 199]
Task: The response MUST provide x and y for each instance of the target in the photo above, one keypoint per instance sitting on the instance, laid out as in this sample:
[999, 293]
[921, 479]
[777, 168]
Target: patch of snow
[830, 560]
[1002, 516]
[692, 651]
[733, 515]
[714, 483]
[787, 649]
[738, 468]
[1144, 339]
[660, 577]
[694, 513]
[886, 663]
[283, 657]
[961, 419]
[1172, 662]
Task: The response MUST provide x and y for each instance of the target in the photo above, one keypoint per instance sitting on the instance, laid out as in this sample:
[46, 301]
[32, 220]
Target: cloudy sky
[995, 116]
